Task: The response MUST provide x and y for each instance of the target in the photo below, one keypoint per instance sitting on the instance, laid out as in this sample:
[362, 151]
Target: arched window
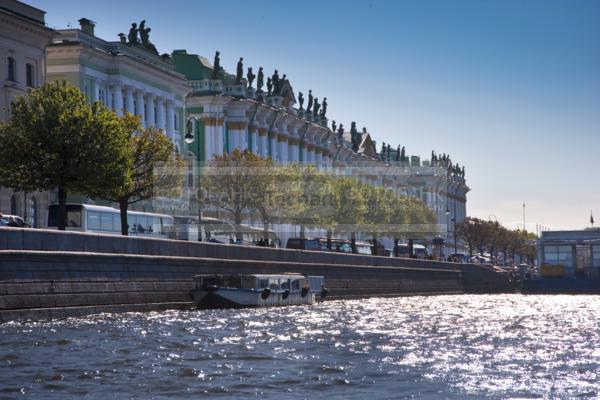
[13, 204]
[32, 214]
[12, 69]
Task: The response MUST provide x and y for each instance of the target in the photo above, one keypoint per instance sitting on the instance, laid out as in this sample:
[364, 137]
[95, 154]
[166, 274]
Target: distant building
[23, 40]
[124, 76]
[576, 253]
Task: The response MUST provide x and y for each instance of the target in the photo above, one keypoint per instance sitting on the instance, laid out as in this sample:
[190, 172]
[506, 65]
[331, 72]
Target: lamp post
[189, 139]
[447, 213]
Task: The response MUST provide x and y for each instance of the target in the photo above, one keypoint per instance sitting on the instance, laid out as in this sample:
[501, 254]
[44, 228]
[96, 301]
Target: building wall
[23, 38]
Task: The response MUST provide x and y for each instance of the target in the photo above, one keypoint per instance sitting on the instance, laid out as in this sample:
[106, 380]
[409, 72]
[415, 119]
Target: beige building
[23, 40]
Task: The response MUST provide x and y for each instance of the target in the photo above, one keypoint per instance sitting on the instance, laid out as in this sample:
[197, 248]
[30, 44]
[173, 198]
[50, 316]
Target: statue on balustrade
[239, 73]
[340, 133]
[260, 80]
[269, 86]
[382, 153]
[133, 34]
[333, 126]
[275, 80]
[301, 100]
[310, 101]
[250, 77]
[463, 171]
[354, 137]
[398, 153]
[216, 65]
[145, 37]
[316, 107]
[389, 152]
[403, 154]
[122, 38]
[324, 112]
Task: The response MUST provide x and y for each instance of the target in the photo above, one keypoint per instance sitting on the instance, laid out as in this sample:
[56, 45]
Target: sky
[510, 89]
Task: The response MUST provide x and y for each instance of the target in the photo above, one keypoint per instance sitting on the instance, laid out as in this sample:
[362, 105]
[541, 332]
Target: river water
[493, 346]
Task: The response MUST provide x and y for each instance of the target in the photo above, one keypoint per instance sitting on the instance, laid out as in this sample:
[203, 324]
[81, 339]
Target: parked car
[459, 257]
[419, 251]
[14, 221]
[304, 244]
[479, 259]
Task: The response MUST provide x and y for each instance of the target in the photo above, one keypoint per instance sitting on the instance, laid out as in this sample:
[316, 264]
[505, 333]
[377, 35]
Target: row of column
[154, 111]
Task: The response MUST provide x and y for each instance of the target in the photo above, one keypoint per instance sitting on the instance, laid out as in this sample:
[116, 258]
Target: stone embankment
[45, 273]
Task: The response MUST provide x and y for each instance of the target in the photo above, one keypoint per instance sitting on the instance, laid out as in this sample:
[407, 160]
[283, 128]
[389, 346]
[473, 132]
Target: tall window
[596, 255]
[175, 121]
[13, 204]
[12, 75]
[559, 255]
[29, 75]
[32, 214]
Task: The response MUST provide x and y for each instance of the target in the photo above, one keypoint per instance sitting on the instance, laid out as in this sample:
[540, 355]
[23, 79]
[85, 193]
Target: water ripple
[500, 346]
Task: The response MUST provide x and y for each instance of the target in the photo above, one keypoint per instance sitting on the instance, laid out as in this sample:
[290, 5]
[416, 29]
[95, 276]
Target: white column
[170, 119]
[129, 100]
[97, 83]
[139, 105]
[274, 147]
[283, 151]
[118, 99]
[263, 145]
[254, 139]
[209, 141]
[160, 109]
[150, 110]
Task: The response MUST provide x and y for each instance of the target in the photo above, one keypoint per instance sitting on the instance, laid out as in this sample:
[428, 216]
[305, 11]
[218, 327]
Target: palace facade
[23, 40]
[253, 110]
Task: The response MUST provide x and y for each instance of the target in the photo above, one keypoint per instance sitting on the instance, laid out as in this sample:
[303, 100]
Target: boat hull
[218, 297]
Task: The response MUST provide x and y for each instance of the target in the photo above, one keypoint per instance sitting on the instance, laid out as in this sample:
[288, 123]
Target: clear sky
[511, 89]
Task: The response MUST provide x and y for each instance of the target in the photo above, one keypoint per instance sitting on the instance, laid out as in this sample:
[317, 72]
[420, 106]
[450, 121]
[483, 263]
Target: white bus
[101, 219]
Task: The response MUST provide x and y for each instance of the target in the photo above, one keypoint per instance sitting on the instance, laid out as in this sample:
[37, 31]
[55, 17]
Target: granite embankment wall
[45, 273]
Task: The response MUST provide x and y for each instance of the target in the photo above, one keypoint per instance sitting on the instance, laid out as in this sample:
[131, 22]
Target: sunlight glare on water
[494, 346]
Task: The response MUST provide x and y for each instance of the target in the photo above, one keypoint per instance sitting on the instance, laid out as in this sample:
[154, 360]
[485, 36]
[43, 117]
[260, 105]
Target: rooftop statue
[260, 80]
[403, 154]
[122, 38]
[463, 171]
[310, 101]
[301, 99]
[275, 81]
[239, 73]
[398, 153]
[250, 77]
[324, 107]
[145, 37]
[316, 107]
[354, 137]
[133, 34]
[216, 65]
[340, 132]
[333, 126]
[269, 86]
[389, 152]
[382, 148]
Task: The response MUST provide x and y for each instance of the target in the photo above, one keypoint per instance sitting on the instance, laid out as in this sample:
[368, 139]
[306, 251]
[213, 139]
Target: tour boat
[257, 290]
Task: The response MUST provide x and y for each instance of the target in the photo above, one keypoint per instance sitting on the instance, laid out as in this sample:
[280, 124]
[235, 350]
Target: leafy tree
[154, 170]
[56, 140]
[228, 184]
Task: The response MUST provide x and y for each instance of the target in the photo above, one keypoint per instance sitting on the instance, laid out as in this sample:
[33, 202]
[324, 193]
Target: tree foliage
[153, 167]
[56, 140]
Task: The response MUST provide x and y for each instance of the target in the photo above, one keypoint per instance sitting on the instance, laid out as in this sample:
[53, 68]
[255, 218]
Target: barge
[257, 290]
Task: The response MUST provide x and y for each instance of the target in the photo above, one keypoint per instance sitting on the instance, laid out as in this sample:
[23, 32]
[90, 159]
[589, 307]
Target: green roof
[193, 66]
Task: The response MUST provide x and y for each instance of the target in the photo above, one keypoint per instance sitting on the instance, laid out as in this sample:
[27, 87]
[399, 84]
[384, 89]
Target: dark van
[304, 244]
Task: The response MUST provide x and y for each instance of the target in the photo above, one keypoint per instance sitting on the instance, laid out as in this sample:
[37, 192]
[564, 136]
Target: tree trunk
[302, 231]
[396, 240]
[62, 209]
[123, 206]
[353, 242]
[329, 234]
[199, 224]
[238, 222]
[266, 229]
[374, 247]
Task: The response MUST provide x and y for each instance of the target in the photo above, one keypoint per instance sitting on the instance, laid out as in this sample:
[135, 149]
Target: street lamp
[189, 136]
